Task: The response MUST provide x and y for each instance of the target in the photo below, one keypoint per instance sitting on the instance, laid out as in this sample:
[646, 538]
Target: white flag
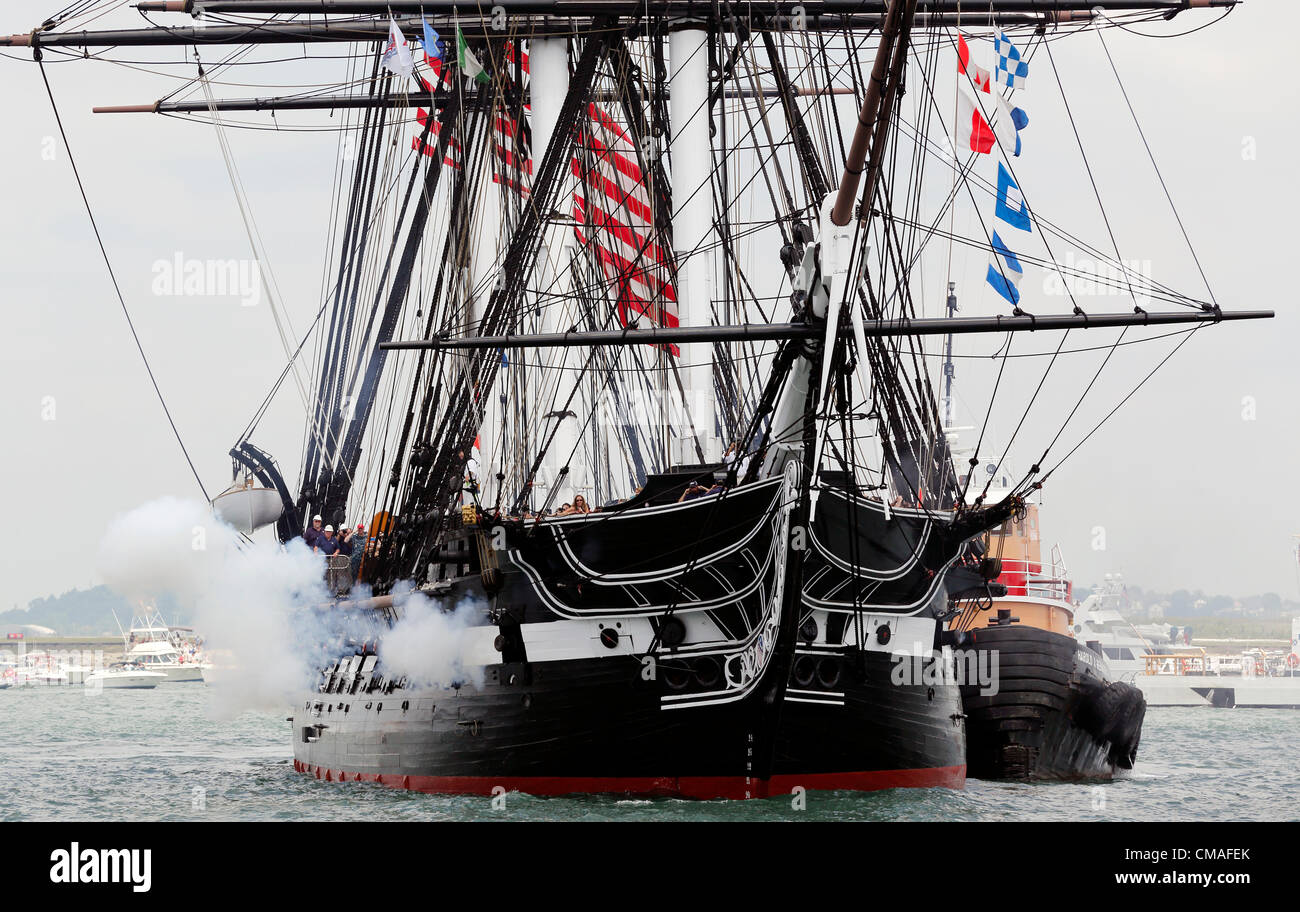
[397, 56]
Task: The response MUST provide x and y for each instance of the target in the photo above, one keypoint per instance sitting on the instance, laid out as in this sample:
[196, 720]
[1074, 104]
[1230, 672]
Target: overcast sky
[1192, 489]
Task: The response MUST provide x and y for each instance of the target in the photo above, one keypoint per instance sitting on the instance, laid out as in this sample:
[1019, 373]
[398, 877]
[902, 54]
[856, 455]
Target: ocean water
[159, 755]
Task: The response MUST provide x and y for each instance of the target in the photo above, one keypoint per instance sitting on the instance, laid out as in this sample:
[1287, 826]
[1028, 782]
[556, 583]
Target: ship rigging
[659, 256]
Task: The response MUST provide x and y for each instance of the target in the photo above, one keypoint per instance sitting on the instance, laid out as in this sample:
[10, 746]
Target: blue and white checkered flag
[1011, 71]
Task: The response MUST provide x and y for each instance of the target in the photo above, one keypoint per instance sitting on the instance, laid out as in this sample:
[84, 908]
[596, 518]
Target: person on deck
[358, 553]
[328, 543]
[578, 506]
[312, 534]
[693, 491]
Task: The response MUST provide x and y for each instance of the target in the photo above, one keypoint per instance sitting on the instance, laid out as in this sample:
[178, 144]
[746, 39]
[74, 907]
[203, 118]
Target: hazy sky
[1191, 488]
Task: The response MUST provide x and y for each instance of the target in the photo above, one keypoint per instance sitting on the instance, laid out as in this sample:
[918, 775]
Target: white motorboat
[124, 676]
[167, 660]
[155, 646]
[1098, 620]
[39, 669]
[1170, 673]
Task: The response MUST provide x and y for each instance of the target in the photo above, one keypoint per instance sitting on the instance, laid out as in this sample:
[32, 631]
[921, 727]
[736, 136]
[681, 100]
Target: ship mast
[949, 371]
[690, 119]
[533, 291]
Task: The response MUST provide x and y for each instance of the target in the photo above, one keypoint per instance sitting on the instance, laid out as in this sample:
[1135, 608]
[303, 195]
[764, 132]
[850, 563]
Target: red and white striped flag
[441, 80]
[611, 204]
[615, 221]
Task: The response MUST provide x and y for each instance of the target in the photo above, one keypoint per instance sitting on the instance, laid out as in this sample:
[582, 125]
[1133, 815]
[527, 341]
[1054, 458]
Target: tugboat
[1053, 709]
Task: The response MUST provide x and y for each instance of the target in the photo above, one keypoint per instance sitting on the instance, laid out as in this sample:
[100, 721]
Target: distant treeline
[84, 612]
[1184, 604]
[1234, 628]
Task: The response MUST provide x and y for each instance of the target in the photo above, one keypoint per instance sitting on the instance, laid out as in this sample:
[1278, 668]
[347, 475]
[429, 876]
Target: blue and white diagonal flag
[1011, 70]
[1005, 271]
[1011, 206]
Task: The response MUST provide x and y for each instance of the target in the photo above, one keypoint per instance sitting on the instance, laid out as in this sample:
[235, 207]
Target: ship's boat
[248, 506]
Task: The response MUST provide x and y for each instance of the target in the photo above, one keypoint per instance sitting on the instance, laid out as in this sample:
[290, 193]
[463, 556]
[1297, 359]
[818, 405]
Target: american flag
[511, 163]
[615, 220]
[612, 206]
[441, 80]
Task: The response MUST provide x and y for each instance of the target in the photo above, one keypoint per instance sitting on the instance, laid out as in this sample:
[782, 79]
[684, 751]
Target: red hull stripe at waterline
[733, 787]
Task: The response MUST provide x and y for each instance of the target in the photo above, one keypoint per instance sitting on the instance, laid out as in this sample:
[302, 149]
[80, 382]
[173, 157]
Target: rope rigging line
[112, 275]
[1141, 383]
[1091, 178]
[1152, 157]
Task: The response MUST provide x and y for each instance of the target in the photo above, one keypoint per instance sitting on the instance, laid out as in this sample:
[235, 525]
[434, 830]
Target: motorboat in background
[124, 676]
[1171, 673]
[1257, 678]
[1099, 620]
[158, 647]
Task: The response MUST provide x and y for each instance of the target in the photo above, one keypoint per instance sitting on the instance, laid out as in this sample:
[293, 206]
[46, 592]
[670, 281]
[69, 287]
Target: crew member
[313, 533]
[327, 544]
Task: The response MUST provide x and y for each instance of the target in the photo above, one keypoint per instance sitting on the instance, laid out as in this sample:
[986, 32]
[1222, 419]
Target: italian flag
[466, 60]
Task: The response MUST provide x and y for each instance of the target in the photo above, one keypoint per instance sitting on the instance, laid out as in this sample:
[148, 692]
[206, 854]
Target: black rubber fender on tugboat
[1126, 733]
[1114, 713]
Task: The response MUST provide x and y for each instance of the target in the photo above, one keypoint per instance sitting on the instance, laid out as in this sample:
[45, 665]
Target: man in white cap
[313, 533]
[329, 544]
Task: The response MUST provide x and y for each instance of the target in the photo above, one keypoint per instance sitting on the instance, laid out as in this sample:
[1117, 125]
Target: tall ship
[620, 377]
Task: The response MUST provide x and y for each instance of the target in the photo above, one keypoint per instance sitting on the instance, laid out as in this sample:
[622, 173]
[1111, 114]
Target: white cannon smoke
[253, 602]
[268, 621]
[427, 645]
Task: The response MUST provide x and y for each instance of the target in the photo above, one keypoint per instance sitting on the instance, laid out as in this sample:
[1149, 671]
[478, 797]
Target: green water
[158, 755]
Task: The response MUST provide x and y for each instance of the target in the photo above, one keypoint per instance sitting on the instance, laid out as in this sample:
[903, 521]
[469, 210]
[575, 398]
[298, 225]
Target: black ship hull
[639, 652]
[1055, 715]
[895, 735]
[595, 726]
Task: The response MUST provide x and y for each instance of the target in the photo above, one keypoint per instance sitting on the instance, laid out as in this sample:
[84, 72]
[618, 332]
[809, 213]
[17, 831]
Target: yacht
[39, 669]
[157, 647]
[1173, 673]
[1099, 621]
[124, 676]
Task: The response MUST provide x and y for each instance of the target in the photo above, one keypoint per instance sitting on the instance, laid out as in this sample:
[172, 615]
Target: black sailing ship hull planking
[587, 687]
[1056, 715]
[848, 723]
[590, 726]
